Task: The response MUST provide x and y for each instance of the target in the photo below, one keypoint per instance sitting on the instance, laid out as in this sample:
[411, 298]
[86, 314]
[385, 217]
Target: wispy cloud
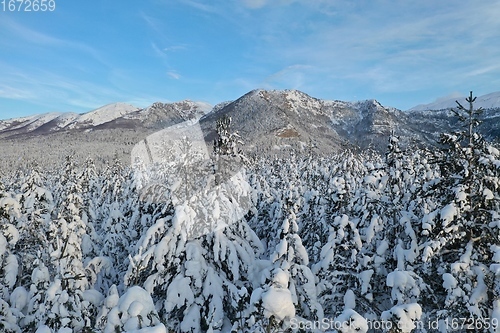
[20, 34]
[255, 3]
[200, 6]
[35, 85]
[391, 49]
[152, 22]
[175, 48]
[23, 33]
[483, 70]
[158, 51]
[174, 75]
[9, 92]
[453, 95]
[294, 77]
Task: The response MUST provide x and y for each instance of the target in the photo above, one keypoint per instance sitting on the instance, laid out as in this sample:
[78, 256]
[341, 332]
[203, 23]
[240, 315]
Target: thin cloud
[453, 95]
[36, 85]
[20, 33]
[393, 52]
[153, 23]
[69, 94]
[199, 6]
[26, 34]
[483, 70]
[9, 92]
[320, 4]
[175, 48]
[158, 51]
[174, 75]
[293, 76]
[254, 4]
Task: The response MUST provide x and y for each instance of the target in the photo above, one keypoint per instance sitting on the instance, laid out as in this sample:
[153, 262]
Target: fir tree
[463, 237]
[37, 206]
[228, 157]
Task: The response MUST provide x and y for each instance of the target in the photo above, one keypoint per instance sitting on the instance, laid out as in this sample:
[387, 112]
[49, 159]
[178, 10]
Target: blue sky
[89, 53]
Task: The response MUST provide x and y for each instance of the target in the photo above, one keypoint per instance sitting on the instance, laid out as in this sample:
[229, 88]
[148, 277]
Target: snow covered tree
[272, 306]
[349, 321]
[37, 206]
[189, 170]
[91, 190]
[9, 263]
[198, 257]
[35, 311]
[115, 245]
[112, 190]
[64, 296]
[289, 273]
[405, 294]
[196, 282]
[227, 156]
[132, 312]
[339, 269]
[369, 253]
[265, 218]
[466, 227]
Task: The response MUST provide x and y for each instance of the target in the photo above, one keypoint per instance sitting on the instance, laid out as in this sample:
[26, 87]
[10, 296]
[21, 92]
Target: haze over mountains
[269, 122]
[488, 101]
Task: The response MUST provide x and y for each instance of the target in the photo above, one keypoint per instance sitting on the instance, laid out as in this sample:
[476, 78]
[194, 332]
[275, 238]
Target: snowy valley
[293, 214]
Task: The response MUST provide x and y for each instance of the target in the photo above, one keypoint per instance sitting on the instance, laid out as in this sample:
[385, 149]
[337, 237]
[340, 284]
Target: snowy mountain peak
[187, 109]
[268, 119]
[185, 105]
[113, 115]
[39, 121]
[160, 115]
[276, 94]
[488, 101]
[371, 105]
[105, 114]
[287, 100]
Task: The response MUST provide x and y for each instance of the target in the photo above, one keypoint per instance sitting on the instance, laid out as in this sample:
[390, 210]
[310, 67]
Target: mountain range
[488, 101]
[269, 121]
[117, 115]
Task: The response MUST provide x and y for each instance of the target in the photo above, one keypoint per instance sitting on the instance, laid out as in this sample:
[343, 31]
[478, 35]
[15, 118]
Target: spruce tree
[466, 234]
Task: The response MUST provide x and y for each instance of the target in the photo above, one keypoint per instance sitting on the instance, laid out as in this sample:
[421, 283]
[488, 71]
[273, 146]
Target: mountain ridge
[106, 116]
[271, 122]
[488, 101]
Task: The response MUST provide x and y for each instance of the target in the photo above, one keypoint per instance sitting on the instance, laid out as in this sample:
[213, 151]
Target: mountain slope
[436, 118]
[116, 115]
[102, 115]
[276, 120]
[32, 123]
[161, 115]
[488, 101]
[270, 122]
[52, 122]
